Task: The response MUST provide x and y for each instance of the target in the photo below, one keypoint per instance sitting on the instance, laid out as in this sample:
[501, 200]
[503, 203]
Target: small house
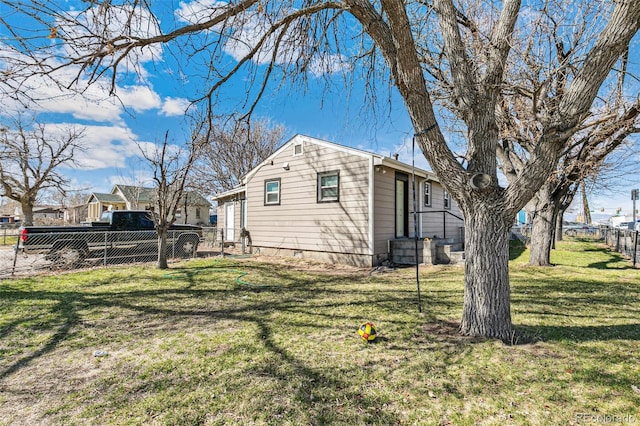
[317, 199]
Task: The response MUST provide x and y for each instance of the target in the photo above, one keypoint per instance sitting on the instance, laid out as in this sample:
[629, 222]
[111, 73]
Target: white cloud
[175, 106]
[198, 11]
[115, 21]
[329, 64]
[248, 31]
[85, 101]
[105, 146]
[135, 178]
[139, 98]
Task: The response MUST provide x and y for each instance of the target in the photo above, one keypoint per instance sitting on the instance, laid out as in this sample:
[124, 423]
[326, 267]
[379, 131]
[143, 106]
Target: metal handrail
[444, 218]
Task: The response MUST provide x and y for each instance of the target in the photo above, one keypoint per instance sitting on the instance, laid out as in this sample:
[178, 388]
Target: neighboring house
[313, 198]
[48, 213]
[193, 209]
[76, 214]
[8, 219]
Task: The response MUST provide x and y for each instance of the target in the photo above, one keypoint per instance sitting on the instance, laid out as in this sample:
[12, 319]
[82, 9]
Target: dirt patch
[306, 265]
[448, 332]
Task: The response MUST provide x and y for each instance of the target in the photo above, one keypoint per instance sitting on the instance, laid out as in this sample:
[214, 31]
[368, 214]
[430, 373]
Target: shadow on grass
[583, 333]
[516, 248]
[615, 261]
[257, 294]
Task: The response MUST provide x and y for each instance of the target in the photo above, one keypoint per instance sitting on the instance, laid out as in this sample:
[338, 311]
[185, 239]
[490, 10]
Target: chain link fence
[223, 241]
[624, 241]
[71, 250]
[9, 235]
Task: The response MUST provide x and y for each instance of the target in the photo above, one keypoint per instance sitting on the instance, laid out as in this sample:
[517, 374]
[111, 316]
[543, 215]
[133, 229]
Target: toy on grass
[367, 331]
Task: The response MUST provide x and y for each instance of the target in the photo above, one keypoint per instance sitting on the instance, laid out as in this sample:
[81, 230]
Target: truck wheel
[68, 257]
[187, 246]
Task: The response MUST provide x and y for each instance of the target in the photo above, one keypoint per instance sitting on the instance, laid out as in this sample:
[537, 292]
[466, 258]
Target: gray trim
[267, 181]
[319, 176]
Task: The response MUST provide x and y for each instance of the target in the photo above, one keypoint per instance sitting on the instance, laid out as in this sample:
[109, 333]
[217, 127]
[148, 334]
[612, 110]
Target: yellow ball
[367, 331]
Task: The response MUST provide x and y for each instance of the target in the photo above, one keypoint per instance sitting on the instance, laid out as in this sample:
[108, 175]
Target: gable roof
[135, 193]
[148, 195]
[378, 159]
[195, 199]
[105, 198]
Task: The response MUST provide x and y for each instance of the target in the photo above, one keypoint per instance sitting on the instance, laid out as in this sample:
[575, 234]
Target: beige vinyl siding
[384, 209]
[299, 222]
[438, 224]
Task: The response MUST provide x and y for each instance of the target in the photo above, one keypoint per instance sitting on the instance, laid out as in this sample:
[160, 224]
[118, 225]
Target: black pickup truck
[127, 235]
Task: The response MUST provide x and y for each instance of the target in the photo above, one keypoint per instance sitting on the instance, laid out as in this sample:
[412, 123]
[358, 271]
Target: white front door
[229, 221]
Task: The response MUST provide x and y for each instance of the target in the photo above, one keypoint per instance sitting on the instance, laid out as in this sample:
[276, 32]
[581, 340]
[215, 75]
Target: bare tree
[233, 148]
[582, 162]
[171, 167]
[30, 162]
[601, 132]
[450, 54]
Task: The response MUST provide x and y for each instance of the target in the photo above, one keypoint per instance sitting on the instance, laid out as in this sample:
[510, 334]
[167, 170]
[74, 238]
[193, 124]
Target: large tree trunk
[27, 213]
[542, 229]
[487, 297]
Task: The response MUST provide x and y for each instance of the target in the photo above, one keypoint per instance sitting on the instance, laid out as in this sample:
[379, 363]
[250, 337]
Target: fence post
[635, 249]
[222, 242]
[106, 239]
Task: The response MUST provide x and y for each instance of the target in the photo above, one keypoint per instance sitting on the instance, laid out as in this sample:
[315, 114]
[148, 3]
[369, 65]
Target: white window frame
[447, 200]
[267, 193]
[321, 198]
[426, 193]
[296, 145]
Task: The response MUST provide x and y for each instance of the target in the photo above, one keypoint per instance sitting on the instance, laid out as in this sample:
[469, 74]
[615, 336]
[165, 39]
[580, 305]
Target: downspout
[371, 207]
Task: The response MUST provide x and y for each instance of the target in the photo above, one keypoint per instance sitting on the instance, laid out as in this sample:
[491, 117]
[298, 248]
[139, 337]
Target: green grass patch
[248, 342]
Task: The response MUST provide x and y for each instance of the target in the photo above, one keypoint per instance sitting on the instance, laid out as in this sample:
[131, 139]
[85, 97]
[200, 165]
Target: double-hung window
[447, 200]
[272, 192]
[329, 186]
[427, 194]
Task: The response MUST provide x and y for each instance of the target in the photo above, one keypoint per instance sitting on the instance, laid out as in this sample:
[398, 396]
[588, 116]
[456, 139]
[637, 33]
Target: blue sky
[154, 103]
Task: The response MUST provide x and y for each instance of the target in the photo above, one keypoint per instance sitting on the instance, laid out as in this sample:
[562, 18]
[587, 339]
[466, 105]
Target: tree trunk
[542, 229]
[559, 226]
[27, 213]
[162, 249]
[585, 204]
[487, 297]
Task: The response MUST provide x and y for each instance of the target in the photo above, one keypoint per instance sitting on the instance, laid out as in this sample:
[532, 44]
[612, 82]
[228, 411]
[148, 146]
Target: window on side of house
[272, 192]
[447, 200]
[329, 187]
[427, 194]
[197, 212]
[297, 149]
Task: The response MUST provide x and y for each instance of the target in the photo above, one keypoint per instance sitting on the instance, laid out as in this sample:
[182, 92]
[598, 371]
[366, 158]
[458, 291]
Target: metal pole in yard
[635, 249]
[15, 256]
[444, 224]
[415, 222]
[222, 242]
